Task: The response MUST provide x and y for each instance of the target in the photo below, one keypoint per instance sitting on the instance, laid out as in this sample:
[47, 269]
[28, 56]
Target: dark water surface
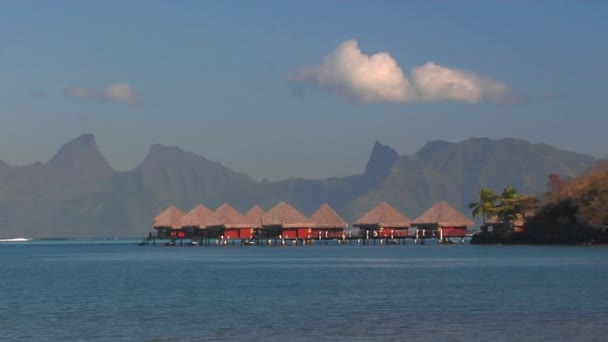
[118, 291]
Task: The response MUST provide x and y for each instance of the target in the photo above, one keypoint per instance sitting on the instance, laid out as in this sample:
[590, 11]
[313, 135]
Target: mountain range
[78, 194]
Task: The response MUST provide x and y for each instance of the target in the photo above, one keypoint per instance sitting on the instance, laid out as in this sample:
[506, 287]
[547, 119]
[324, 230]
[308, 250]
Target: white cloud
[437, 83]
[119, 92]
[122, 92]
[354, 75]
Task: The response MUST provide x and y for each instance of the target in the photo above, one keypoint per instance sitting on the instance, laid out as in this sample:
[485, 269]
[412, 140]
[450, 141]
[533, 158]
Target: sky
[280, 89]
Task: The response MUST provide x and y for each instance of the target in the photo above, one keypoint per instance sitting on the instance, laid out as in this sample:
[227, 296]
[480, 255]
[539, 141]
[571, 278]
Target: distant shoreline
[21, 239]
[523, 238]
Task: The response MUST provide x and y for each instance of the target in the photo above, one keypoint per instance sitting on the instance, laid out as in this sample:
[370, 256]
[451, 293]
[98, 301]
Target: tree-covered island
[572, 211]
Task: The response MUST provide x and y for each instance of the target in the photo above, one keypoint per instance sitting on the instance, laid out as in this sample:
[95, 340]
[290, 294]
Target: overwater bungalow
[285, 221]
[194, 222]
[230, 223]
[254, 215]
[383, 221]
[494, 224]
[168, 223]
[327, 223]
[442, 221]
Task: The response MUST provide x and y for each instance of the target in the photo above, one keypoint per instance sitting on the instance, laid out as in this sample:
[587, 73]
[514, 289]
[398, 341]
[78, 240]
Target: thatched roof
[384, 215]
[227, 217]
[196, 217]
[285, 216]
[254, 215]
[325, 217]
[169, 218]
[443, 215]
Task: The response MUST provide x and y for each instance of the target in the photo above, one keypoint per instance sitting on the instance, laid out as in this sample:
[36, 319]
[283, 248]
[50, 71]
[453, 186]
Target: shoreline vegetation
[573, 211]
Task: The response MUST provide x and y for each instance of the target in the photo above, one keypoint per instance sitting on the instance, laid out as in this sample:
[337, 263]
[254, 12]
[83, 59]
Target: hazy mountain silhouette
[173, 175]
[77, 168]
[381, 160]
[455, 172]
[78, 194]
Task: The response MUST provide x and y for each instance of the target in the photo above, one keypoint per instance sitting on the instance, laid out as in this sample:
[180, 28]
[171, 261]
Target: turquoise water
[115, 291]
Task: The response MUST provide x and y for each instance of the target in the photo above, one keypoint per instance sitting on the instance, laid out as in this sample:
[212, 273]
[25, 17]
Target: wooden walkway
[346, 241]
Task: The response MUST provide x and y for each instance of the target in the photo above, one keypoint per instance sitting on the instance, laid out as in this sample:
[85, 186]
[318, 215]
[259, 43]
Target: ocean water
[117, 291]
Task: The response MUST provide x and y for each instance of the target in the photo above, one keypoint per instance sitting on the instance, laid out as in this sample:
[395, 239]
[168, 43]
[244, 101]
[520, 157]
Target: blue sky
[283, 89]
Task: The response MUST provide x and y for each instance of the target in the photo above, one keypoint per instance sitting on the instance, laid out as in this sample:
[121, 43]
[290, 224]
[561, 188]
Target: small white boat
[15, 240]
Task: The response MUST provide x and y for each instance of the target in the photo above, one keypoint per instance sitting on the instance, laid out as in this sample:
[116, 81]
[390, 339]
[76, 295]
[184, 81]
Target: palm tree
[485, 204]
[509, 193]
[528, 203]
[509, 205]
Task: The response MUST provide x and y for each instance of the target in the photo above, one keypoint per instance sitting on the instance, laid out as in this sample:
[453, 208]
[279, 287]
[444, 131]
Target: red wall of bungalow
[178, 234]
[454, 231]
[290, 233]
[327, 233]
[246, 233]
[385, 232]
[304, 233]
[310, 233]
[238, 233]
[231, 233]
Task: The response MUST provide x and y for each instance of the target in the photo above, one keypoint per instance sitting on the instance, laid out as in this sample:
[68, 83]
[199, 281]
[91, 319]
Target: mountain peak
[434, 145]
[81, 152]
[160, 148]
[178, 174]
[380, 161]
[86, 138]
[164, 154]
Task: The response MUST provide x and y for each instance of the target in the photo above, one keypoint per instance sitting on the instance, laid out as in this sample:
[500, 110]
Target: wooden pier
[284, 225]
[282, 242]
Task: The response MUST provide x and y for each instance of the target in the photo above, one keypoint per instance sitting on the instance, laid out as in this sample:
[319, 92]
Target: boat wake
[15, 240]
